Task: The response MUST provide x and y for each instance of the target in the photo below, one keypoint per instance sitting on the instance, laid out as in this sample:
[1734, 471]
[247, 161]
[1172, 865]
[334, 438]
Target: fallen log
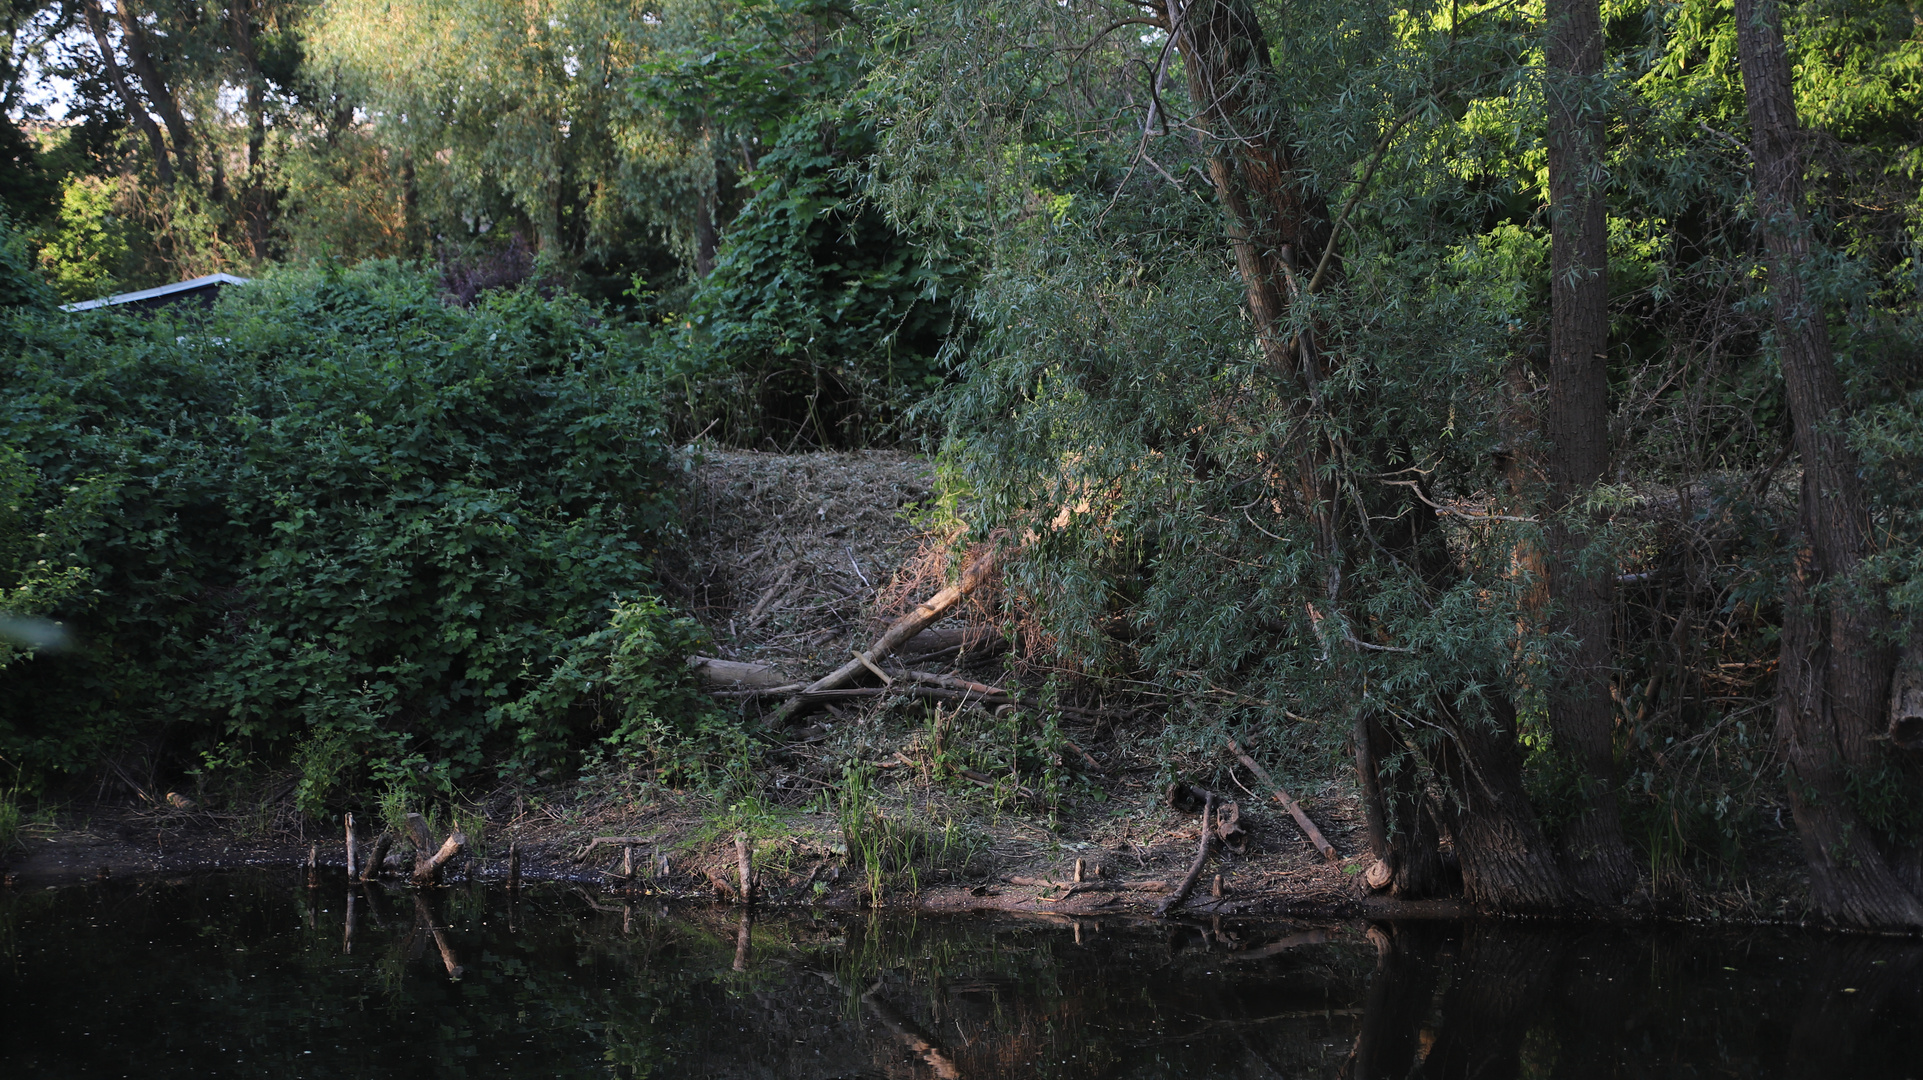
[621, 841]
[939, 694]
[1288, 803]
[736, 674]
[948, 682]
[1201, 859]
[904, 628]
[950, 639]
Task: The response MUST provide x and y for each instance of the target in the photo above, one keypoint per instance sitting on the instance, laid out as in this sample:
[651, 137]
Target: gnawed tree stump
[429, 860]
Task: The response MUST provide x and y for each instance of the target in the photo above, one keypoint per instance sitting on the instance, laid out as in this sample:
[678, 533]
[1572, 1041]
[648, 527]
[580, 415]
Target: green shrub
[821, 321]
[334, 513]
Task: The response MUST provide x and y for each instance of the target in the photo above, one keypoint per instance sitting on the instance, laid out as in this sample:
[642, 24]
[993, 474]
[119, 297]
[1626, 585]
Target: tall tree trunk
[707, 230]
[1275, 222]
[256, 201]
[1599, 863]
[97, 22]
[1833, 676]
[140, 58]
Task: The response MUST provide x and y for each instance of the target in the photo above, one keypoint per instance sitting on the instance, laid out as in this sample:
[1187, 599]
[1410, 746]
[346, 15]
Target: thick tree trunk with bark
[1277, 222]
[1834, 673]
[1507, 863]
[1599, 862]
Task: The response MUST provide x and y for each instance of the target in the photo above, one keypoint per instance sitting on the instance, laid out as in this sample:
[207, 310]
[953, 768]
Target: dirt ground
[793, 562]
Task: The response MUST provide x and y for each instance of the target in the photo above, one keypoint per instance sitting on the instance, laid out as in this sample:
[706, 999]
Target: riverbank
[793, 563]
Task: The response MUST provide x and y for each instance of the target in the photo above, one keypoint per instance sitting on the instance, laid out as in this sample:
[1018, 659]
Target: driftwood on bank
[904, 628]
[619, 841]
[1187, 886]
[1288, 803]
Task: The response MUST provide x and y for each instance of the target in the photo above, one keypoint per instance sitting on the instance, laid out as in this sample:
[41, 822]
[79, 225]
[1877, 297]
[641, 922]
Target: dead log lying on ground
[1295, 809]
[619, 841]
[904, 628]
[1187, 886]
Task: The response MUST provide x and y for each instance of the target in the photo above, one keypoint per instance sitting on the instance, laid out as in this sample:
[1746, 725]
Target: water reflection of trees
[559, 983]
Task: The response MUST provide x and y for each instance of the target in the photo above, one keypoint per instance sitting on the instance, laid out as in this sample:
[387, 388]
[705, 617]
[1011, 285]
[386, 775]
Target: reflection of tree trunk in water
[910, 1035]
[743, 938]
[353, 919]
[1497, 985]
[425, 918]
[1851, 982]
[1598, 991]
[1400, 991]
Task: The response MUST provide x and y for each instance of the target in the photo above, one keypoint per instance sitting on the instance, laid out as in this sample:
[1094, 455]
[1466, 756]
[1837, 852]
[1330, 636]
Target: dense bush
[820, 322]
[335, 516]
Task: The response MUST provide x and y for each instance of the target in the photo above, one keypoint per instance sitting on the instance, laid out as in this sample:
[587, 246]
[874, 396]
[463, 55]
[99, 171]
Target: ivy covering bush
[337, 519]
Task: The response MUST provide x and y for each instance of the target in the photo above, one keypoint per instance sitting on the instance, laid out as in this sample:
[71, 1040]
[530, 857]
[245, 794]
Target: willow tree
[1576, 428]
[1184, 388]
[1836, 661]
[515, 117]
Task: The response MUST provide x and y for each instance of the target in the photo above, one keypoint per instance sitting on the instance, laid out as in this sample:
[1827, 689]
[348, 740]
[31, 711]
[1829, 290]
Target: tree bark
[140, 58]
[1849, 880]
[1599, 862]
[1836, 661]
[97, 22]
[1507, 864]
[256, 201]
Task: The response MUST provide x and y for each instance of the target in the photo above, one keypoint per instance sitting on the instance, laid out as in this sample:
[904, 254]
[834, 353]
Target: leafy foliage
[820, 322]
[337, 512]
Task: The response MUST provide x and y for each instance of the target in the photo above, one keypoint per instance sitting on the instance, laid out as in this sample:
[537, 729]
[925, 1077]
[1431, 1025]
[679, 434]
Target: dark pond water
[253, 975]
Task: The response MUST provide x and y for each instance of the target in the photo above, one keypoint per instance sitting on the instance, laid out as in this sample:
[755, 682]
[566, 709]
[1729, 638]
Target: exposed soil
[795, 560]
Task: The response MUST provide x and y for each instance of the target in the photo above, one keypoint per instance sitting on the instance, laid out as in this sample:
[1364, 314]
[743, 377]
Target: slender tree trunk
[140, 58]
[413, 229]
[707, 232]
[256, 201]
[1833, 676]
[97, 22]
[1599, 862]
